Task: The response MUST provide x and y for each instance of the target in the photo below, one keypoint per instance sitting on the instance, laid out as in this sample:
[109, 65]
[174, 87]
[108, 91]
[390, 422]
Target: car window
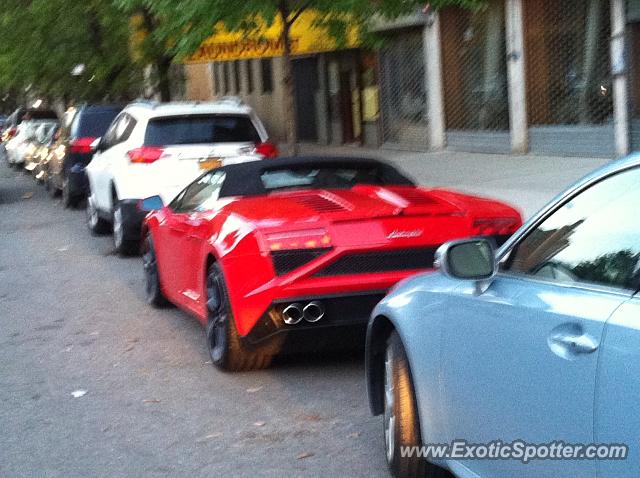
[320, 177]
[201, 195]
[200, 129]
[93, 123]
[594, 238]
[119, 131]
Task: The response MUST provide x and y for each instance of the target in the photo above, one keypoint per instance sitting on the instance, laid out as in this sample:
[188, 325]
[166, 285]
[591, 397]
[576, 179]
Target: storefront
[633, 45]
[475, 78]
[328, 95]
[403, 89]
[568, 77]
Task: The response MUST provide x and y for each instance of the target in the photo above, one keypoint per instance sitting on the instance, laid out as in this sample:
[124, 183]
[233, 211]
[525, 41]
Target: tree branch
[299, 12]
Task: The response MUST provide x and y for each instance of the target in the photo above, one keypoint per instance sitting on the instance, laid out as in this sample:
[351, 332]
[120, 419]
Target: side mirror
[95, 145]
[468, 259]
[153, 203]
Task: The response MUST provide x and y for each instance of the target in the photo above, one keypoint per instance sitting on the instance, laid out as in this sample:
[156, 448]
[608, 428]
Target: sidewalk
[527, 182]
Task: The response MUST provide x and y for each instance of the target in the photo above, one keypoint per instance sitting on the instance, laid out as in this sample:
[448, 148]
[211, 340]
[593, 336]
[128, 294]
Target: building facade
[521, 76]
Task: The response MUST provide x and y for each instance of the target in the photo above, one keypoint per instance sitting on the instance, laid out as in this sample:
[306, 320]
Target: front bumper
[342, 326]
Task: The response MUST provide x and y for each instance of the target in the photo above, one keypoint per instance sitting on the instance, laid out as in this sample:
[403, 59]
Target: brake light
[10, 133]
[306, 239]
[145, 155]
[498, 226]
[81, 145]
[266, 149]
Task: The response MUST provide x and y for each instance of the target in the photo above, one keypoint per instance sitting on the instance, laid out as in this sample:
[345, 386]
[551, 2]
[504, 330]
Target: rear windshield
[199, 129]
[322, 178]
[39, 115]
[93, 124]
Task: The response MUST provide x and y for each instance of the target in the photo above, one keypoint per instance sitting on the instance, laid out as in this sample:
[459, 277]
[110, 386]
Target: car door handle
[577, 344]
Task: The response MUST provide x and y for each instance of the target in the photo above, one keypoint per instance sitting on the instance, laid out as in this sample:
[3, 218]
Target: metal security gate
[475, 78]
[403, 100]
[569, 85]
[633, 46]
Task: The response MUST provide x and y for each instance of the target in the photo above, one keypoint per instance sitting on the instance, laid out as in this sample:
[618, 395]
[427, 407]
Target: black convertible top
[245, 179]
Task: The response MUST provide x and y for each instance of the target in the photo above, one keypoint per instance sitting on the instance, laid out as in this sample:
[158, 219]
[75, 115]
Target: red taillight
[307, 239]
[81, 145]
[498, 226]
[10, 133]
[267, 149]
[145, 155]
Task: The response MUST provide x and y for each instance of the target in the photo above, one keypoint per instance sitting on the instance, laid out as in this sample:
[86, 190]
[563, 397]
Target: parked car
[294, 253]
[65, 166]
[23, 143]
[10, 126]
[37, 152]
[537, 342]
[158, 149]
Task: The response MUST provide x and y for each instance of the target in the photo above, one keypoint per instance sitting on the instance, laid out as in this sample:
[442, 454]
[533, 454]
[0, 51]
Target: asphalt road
[73, 317]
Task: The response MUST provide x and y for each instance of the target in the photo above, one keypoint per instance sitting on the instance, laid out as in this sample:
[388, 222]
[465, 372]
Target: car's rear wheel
[152, 290]
[223, 341]
[123, 246]
[401, 420]
[51, 188]
[69, 201]
[97, 225]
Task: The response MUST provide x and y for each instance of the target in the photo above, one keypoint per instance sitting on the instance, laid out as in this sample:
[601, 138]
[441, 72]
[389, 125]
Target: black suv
[72, 152]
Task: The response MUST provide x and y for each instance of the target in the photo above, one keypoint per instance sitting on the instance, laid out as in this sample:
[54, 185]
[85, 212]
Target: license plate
[210, 163]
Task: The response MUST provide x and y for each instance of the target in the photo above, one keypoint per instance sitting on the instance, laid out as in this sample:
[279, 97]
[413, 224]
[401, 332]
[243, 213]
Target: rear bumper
[342, 326]
[78, 183]
[75, 165]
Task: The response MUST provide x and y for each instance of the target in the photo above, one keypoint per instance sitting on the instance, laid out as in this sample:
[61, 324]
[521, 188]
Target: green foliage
[42, 41]
[186, 24]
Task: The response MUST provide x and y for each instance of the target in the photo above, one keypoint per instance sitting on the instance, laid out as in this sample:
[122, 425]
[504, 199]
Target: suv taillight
[266, 149]
[81, 145]
[145, 155]
[9, 133]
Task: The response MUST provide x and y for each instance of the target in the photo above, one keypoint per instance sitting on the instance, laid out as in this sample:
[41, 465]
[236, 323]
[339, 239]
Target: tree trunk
[291, 132]
[163, 67]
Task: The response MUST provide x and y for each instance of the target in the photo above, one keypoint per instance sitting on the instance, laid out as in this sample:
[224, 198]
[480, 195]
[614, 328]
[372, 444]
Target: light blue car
[533, 345]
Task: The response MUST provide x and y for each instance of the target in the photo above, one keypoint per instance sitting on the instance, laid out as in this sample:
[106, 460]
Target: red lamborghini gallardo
[293, 253]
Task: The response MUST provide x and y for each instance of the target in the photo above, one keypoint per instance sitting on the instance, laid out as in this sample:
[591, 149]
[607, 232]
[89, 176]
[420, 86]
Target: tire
[68, 201]
[153, 291]
[124, 247]
[97, 226]
[52, 190]
[401, 420]
[223, 341]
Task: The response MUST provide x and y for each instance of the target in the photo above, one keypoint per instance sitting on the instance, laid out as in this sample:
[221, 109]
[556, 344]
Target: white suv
[158, 149]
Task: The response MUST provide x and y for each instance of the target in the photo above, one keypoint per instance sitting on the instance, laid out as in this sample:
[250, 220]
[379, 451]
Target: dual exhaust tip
[294, 313]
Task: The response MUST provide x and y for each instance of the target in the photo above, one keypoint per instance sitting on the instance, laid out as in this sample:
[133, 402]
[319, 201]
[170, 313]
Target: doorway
[305, 74]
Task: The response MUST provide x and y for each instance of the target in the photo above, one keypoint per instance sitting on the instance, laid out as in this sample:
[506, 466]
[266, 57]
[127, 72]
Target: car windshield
[321, 178]
[200, 129]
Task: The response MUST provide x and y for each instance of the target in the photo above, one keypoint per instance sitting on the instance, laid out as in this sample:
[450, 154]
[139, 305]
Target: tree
[185, 28]
[151, 46]
[44, 40]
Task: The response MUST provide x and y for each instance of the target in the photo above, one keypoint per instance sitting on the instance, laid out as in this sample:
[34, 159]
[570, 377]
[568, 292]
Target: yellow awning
[306, 38]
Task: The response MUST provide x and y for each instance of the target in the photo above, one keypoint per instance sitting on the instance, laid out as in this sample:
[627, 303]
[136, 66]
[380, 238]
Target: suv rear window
[39, 115]
[92, 123]
[199, 129]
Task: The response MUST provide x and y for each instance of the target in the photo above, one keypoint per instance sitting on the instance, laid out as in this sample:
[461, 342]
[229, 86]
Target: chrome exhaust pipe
[313, 311]
[292, 314]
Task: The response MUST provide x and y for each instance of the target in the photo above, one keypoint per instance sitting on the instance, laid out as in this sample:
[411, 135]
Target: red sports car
[293, 253]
